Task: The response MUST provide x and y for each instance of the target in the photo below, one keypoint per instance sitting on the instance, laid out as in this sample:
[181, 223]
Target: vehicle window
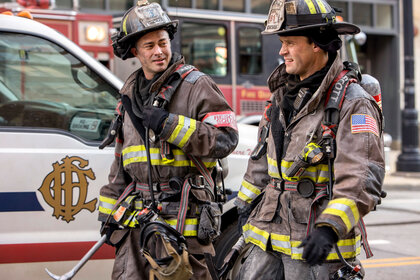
[42, 85]
[204, 46]
[250, 51]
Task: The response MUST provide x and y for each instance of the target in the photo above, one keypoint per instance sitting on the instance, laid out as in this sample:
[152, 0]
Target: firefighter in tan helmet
[158, 208]
[320, 168]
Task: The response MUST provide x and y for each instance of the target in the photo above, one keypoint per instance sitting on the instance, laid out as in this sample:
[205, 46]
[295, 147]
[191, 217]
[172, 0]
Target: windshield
[40, 79]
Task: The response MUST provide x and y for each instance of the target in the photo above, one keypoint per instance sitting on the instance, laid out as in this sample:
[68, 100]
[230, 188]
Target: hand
[108, 230]
[154, 117]
[318, 245]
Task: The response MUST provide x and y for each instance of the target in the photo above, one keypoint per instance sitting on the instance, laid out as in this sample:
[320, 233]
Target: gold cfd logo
[59, 188]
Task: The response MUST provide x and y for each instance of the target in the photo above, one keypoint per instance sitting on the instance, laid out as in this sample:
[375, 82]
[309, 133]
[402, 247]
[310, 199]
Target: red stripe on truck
[46, 252]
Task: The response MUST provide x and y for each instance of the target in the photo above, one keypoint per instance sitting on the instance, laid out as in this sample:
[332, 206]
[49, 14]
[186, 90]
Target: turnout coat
[283, 217]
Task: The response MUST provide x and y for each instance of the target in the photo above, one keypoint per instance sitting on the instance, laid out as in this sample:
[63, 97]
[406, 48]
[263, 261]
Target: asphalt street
[394, 229]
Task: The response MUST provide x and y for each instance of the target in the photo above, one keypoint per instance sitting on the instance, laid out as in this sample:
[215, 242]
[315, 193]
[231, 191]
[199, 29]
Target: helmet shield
[289, 17]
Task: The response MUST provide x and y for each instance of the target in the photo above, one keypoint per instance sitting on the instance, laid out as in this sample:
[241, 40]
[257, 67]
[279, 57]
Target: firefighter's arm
[359, 167]
[117, 182]
[256, 176]
[208, 128]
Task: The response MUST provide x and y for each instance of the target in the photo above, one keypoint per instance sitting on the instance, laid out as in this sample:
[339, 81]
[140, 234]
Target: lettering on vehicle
[58, 188]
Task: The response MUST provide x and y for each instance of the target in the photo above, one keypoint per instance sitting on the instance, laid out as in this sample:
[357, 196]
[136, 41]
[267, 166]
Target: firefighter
[165, 178]
[288, 211]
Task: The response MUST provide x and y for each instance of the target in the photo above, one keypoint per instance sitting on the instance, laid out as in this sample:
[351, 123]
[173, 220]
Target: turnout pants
[278, 266]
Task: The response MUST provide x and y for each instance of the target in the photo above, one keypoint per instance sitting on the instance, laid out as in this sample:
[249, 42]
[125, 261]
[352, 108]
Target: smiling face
[302, 57]
[153, 50]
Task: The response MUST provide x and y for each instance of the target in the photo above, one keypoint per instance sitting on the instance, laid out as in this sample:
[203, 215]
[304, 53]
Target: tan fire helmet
[287, 17]
[174, 263]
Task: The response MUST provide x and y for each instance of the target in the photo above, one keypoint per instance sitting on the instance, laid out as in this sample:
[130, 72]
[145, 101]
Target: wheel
[224, 244]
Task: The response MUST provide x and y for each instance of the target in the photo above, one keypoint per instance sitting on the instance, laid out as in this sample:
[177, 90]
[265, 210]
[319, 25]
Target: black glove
[243, 215]
[108, 230]
[153, 117]
[318, 245]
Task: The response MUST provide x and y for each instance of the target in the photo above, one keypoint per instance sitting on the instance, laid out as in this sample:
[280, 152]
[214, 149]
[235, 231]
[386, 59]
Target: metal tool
[69, 275]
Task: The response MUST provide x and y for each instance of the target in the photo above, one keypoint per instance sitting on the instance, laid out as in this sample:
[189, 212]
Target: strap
[167, 90]
[203, 170]
[183, 207]
[277, 130]
[366, 246]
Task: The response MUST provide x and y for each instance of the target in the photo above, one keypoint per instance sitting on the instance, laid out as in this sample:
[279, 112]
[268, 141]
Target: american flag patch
[363, 123]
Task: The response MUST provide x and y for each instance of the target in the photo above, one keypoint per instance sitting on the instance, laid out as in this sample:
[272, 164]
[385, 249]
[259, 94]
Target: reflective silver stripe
[190, 227]
[183, 131]
[136, 154]
[344, 208]
[105, 205]
[273, 169]
[349, 248]
[248, 192]
[256, 236]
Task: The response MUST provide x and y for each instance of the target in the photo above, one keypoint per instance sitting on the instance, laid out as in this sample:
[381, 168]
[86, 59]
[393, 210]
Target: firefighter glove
[154, 118]
[108, 230]
[318, 244]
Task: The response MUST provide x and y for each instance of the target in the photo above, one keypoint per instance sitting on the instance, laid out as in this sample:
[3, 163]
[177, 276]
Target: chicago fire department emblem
[62, 185]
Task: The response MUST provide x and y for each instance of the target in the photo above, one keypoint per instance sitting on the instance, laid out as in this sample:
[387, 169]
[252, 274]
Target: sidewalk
[400, 180]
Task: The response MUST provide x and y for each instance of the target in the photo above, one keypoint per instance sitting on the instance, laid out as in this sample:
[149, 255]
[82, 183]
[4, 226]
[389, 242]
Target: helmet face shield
[287, 17]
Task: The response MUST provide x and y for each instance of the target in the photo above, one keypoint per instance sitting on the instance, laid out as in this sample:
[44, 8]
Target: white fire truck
[56, 104]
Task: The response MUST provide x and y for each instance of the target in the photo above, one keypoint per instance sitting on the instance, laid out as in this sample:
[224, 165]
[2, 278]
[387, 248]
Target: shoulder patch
[193, 76]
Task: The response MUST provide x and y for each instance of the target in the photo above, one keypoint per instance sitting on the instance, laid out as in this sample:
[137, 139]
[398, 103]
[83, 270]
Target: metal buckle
[305, 188]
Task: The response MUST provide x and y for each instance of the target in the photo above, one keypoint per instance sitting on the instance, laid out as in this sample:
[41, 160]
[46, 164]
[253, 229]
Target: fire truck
[88, 31]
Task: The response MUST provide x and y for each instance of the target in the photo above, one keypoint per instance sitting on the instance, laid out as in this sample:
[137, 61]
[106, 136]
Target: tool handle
[89, 254]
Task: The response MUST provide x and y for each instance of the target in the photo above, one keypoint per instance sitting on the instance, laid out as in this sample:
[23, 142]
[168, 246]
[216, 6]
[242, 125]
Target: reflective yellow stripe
[273, 170]
[321, 6]
[183, 130]
[106, 204]
[105, 210]
[344, 208]
[256, 236]
[191, 129]
[248, 192]
[349, 248]
[311, 6]
[191, 226]
[107, 199]
[177, 129]
[317, 173]
[135, 154]
[125, 25]
[281, 243]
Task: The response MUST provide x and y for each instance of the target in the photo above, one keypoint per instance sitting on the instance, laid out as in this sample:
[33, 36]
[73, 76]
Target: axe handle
[69, 275]
[89, 254]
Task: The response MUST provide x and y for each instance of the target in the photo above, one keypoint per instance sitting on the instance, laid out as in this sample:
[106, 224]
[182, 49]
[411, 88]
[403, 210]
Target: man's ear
[133, 51]
[316, 48]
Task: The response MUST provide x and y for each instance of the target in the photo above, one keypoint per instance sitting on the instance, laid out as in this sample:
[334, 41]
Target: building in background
[239, 22]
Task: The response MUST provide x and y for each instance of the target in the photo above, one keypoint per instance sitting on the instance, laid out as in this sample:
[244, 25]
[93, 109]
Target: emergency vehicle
[90, 31]
[56, 104]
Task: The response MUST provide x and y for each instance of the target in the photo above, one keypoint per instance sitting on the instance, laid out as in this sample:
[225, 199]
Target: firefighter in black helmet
[301, 226]
[163, 180]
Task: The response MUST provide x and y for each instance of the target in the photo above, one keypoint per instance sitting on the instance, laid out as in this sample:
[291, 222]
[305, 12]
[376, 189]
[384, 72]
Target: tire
[224, 244]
